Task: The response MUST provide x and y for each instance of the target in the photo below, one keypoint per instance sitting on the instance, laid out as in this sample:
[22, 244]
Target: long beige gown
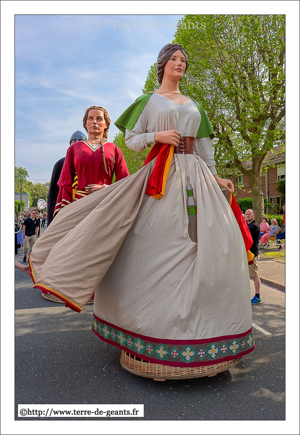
[160, 293]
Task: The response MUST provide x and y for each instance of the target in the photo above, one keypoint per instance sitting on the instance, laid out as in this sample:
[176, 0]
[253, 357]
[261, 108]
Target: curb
[272, 284]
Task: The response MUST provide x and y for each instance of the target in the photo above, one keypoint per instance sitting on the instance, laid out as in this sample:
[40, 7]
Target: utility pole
[21, 188]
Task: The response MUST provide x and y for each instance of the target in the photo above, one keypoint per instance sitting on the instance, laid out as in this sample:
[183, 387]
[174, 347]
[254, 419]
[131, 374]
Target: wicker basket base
[53, 298]
[159, 372]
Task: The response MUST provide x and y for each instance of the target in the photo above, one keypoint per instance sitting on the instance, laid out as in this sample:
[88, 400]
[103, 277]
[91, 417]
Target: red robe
[90, 169]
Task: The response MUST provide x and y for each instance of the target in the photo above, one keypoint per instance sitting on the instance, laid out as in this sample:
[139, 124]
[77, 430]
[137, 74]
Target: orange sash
[157, 181]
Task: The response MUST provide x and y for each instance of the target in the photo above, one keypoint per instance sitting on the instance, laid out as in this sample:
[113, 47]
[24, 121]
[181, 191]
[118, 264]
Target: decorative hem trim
[178, 353]
[69, 303]
[31, 269]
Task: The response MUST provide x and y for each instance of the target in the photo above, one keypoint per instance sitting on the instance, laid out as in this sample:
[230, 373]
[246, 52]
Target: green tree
[151, 81]
[17, 205]
[37, 191]
[20, 172]
[237, 73]
[26, 190]
[133, 159]
[247, 203]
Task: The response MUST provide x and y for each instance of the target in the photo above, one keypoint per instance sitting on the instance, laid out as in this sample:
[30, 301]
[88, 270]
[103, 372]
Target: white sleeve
[138, 138]
[204, 150]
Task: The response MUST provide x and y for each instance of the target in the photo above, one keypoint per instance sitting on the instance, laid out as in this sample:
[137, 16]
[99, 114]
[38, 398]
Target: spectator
[38, 217]
[281, 234]
[253, 268]
[272, 231]
[44, 219]
[264, 226]
[31, 229]
[20, 232]
[16, 232]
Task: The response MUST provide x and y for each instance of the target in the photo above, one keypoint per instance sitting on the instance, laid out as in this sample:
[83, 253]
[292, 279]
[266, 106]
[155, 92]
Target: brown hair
[106, 118]
[164, 56]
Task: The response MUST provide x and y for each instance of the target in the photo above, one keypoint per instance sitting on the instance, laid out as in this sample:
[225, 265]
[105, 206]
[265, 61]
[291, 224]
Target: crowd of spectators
[28, 225]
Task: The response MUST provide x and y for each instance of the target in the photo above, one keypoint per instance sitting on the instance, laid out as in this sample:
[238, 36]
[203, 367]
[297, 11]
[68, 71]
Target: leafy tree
[20, 172]
[17, 205]
[151, 81]
[247, 203]
[237, 73]
[27, 190]
[133, 159]
[37, 191]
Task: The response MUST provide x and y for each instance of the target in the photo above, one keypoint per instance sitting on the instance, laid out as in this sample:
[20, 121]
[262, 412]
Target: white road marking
[261, 329]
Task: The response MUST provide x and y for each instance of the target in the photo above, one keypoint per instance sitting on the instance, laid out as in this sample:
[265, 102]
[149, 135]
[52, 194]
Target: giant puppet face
[95, 123]
[164, 57]
[176, 66]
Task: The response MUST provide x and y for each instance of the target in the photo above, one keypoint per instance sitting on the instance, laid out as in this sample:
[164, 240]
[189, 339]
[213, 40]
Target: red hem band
[69, 304]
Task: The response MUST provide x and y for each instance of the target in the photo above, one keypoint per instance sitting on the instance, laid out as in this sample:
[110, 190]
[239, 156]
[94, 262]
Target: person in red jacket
[95, 160]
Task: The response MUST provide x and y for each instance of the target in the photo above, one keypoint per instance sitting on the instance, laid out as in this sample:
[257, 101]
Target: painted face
[95, 123]
[176, 65]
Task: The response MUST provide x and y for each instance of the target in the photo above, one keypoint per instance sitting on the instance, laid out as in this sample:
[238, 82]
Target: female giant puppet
[94, 160]
[89, 165]
[161, 249]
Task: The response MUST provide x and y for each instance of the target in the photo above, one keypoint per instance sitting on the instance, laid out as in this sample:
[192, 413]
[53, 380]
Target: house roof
[271, 158]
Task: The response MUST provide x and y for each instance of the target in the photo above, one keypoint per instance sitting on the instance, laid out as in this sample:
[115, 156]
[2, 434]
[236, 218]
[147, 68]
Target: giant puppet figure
[161, 249]
[89, 165]
[57, 168]
[95, 161]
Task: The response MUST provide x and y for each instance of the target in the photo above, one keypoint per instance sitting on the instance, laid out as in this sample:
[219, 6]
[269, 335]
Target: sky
[58, 58]
[66, 63]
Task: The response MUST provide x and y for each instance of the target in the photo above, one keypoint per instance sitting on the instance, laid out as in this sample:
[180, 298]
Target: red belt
[185, 146]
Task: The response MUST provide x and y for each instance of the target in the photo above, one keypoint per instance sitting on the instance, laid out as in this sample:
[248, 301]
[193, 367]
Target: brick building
[269, 180]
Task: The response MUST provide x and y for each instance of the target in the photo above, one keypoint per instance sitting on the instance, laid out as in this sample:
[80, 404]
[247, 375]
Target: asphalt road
[58, 360]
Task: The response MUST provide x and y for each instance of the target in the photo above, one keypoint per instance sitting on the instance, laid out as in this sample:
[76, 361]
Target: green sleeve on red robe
[128, 118]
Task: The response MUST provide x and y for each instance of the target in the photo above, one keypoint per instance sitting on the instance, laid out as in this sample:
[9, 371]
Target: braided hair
[164, 56]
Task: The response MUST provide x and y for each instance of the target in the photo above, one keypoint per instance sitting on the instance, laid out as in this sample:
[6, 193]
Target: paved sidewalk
[272, 272]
